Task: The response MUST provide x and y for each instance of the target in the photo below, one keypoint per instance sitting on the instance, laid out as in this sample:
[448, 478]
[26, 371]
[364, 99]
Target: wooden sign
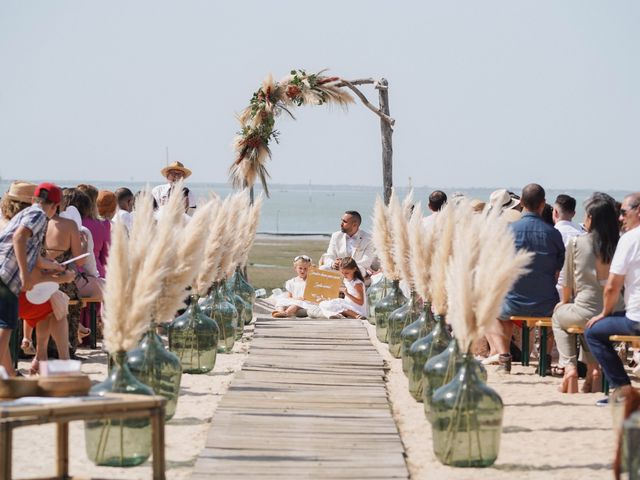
[322, 285]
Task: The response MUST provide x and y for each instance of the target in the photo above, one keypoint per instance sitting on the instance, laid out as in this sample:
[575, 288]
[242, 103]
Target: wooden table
[118, 406]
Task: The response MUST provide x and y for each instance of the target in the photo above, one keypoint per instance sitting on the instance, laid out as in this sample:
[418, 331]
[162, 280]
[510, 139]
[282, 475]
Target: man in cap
[173, 172]
[20, 260]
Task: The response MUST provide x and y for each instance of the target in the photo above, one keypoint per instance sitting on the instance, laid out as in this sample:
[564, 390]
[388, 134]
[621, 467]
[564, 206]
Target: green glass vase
[194, 338]
[466, 419]
[424, 349]
[241, 287]
[398, 320]
[412, 332]
[155, 366]
[224, 314]
[391, 302]
[376, 292]
[119, 442]
[239, 304]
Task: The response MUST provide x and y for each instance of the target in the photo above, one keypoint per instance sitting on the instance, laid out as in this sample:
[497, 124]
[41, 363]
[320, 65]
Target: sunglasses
[624, 211]
[305, 258]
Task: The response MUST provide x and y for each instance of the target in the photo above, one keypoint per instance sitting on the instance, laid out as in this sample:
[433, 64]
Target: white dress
[295, 286]
[338, 305]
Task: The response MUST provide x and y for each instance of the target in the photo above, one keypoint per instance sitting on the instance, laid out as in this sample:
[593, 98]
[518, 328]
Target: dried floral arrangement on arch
[257, 121]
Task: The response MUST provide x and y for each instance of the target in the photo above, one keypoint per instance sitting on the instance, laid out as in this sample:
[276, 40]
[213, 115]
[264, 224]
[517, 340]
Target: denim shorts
[8, 308]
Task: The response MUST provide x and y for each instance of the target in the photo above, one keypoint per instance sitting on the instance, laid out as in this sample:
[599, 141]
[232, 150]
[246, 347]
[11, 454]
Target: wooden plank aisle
[310, 402]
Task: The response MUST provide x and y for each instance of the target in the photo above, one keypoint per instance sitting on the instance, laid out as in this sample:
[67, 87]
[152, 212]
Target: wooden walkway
[310, 402]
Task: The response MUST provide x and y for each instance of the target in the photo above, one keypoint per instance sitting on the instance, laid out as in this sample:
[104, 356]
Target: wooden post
[387, 147]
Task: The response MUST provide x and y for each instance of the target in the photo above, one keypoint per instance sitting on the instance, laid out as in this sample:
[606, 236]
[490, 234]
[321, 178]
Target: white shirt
[626, 261]
[568, 230]
[124, 217]
[427, 222]
[359, 247]
[161, 194]
[295, 286]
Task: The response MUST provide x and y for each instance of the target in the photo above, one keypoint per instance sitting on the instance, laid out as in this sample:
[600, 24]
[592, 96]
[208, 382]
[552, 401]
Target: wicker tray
[64, 386]
[19, 387]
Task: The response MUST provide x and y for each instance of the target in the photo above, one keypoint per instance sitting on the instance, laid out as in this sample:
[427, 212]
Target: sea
[317, 209]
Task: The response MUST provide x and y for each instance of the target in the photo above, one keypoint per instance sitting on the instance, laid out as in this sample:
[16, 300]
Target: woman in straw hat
[18, 197]
[174, 172]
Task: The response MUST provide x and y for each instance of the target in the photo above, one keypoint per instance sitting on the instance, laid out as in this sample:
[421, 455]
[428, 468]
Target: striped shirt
[35, 220]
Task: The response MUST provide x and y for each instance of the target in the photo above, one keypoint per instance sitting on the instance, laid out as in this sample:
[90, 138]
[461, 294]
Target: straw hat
[176, 166]
[502, 199]
[21, 191]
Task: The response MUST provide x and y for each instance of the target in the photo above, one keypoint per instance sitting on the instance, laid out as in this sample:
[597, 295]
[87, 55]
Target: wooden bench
[634, 340]
[543, 323]
[112, 406]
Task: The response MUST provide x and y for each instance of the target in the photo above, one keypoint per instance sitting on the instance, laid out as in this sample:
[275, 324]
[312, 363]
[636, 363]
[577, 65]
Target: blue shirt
[35, 220]
[535, 293]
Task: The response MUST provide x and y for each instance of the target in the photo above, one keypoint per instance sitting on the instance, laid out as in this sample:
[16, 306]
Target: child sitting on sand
[354, 304]
[293, 301]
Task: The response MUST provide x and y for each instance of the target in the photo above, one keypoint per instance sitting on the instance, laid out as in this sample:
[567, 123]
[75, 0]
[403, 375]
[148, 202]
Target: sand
[185, 433]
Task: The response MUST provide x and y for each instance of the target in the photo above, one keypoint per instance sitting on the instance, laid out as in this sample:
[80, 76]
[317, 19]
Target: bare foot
[569, 381]
[35, 367]
[593, 380]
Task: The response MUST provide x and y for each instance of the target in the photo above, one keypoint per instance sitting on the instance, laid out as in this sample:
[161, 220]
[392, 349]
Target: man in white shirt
[564, 209]
[350, 241]
[123, 215]
[173, 173]
[437, 200]
[624, 271]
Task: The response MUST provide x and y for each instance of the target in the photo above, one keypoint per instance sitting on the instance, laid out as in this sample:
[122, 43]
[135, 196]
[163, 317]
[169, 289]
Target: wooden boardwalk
[310, 402]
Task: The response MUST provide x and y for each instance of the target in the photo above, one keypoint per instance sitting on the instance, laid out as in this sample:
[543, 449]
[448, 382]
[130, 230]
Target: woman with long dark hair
[586, 269]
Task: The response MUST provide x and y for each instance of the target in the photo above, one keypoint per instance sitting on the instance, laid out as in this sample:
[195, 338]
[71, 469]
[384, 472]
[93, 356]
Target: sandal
[277, 314]
[557, 371]
[27, 347]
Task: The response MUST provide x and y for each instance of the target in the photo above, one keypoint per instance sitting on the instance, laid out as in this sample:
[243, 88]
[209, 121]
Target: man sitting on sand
[534, 294]
[173, 172]
[624, 271]
[350, 241]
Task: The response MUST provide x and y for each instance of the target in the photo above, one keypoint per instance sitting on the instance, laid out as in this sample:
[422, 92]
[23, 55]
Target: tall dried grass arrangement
[443, 229]
[400, 233]
[231, 238]
[421, 246]
[383, 240]
[250, 232]
[243, 224]
[213, 246]
[483, 267]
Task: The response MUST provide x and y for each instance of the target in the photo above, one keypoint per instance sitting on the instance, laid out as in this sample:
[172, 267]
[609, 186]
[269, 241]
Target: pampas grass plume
[383, 240]
[421, 251]
[401, 249]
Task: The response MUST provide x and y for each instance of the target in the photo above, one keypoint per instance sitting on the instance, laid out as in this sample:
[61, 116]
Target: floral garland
[258, 120]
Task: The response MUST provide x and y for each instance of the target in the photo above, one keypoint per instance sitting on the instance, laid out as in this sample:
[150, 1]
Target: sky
[484, 93]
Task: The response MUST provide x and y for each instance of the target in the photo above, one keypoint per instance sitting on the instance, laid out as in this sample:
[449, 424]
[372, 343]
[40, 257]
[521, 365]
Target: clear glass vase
[194, 338]
[466, 419]
[424, 349]
[376, 292]
[119, 442]
[398, 320]
[240, 305]
[412, 332]
[155, 366]
[241, 287]
[391, 302]
[224, 314]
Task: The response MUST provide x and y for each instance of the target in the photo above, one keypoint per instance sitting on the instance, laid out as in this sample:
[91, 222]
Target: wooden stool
[528, 322]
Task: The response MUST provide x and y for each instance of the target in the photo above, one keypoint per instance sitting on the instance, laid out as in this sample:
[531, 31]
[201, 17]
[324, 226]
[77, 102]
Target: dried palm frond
[251, 229]
[383, 240]
[117, 296]
[421, 246]
[443, 234]
[400, 234]
[184, 266]
[250, 164]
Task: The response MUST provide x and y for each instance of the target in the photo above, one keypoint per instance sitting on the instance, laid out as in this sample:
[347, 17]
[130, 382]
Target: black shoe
[504, 363]
[603, 402]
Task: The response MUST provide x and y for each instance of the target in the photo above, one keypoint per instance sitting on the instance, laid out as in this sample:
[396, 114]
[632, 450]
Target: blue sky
[485, 93]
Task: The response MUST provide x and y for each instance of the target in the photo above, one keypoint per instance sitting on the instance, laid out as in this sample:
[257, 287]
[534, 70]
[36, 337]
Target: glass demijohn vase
[376, 292]
[412, 332]
[466, 419]
[241, 287]
[242, 308]
[391, 302]
[156, 367]
[398, 320]
[193, 337]
[225, 315]
[424, 349]
[119, 442]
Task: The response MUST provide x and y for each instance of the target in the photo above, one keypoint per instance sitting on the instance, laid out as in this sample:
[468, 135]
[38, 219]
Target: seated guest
[534, 294]
[100, 229]
[18, 197]
[437, 201]
[126, 201]
[354, 303]
[173, 172]
[624, 271]
[292, 301]
[586, 269]
[350, 241]
[107, 205]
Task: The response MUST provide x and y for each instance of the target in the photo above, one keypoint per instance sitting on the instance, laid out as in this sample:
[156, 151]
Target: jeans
[602, 348]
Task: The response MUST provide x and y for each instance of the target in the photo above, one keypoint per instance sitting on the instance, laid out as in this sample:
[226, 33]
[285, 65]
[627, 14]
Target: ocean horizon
[300, 209]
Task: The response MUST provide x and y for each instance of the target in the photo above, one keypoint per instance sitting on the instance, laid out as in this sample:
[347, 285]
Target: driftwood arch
[301, 88]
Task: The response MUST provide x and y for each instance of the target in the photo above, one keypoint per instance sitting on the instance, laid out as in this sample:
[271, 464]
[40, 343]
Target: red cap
[49, 191]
